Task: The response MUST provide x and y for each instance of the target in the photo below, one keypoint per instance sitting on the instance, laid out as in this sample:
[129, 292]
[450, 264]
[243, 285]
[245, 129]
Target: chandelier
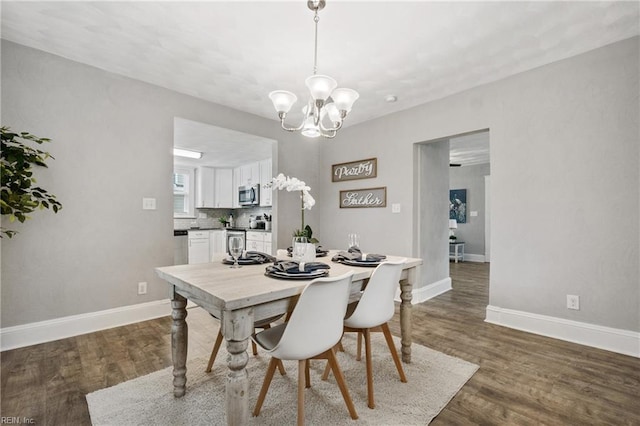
[327, 107]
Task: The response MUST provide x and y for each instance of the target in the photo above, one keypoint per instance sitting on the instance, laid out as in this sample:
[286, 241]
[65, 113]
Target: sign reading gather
[368, 197]
[362, 169]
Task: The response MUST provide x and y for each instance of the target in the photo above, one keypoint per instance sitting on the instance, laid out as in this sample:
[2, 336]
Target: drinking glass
[236, 245]
[354, 240]
[299, 248]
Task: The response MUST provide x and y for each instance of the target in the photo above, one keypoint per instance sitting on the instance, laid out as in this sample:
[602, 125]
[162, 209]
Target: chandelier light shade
[328, 106]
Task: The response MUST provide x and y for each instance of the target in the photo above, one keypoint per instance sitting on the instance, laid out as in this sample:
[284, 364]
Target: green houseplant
[19, 194]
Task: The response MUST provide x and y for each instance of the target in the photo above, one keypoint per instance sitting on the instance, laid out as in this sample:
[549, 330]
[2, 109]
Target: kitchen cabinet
[266, 192]
[223, 193]
[217, 242]
[259, 241]
[236, 184]
[249, 174]
[214, 188]
[198, 251]
[205, 187]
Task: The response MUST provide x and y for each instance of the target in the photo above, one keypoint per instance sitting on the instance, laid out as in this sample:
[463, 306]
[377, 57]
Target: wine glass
[299, 248]
[354, 240]
[236, 245]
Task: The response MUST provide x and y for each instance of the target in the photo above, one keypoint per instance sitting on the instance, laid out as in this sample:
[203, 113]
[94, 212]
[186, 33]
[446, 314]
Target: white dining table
[239, 297]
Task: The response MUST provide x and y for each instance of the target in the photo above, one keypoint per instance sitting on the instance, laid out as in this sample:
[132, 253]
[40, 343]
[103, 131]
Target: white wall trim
[612, 339]
[74, 325]
[430, 291]
[469, 257]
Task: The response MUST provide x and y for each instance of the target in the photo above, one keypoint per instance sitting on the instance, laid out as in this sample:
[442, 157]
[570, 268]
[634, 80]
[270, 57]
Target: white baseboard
[470, 257]
[611, 339]
[75, 325]
[428, 292]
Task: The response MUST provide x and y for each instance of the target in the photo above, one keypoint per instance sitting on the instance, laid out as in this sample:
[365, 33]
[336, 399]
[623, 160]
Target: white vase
[310, 253]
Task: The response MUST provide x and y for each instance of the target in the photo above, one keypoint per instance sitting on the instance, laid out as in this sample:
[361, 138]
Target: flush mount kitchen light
[326, 101]
[186, 153]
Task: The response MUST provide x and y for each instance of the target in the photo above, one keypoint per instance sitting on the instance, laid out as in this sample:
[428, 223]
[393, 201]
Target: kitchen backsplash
[240, 217]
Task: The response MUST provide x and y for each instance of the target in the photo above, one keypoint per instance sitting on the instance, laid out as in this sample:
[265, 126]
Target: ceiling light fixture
[326, 101]
[186, 153]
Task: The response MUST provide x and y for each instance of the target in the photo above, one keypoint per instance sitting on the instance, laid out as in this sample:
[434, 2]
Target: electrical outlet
[142, 288]
[395, 208]
[573, 302]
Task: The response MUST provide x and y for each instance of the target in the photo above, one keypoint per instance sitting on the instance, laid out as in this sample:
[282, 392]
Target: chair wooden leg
[302, 368]
[327, 368]
[214, 352]
[281, 368]
[307, 375]
[265, 385]
[255, 348]
[341, 384]
[359, 350]
[394, 353]
[369, 367]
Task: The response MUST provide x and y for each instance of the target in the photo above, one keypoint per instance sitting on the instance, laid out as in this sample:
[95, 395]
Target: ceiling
[220, 147]
[469, 150]
[234, 53]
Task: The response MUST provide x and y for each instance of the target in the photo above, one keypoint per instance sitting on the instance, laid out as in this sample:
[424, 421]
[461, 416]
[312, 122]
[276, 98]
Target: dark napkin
[319, 250]
[256, 257]
[355, 254]
[293, 267]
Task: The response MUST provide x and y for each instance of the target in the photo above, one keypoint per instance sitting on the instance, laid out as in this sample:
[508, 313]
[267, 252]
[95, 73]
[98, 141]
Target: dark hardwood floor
[523, 378]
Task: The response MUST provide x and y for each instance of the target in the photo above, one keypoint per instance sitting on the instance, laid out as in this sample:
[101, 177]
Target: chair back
[316, 322]
[376, 305]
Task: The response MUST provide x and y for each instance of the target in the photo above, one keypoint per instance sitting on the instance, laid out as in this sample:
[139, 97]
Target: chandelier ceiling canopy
[328, 106]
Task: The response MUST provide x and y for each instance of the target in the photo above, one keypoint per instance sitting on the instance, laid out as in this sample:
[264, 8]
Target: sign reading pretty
[361, 169]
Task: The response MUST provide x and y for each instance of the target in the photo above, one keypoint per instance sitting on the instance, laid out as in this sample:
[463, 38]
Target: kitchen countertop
[223, 229]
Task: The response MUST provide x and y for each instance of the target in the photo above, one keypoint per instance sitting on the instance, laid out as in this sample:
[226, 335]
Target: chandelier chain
[316, 18]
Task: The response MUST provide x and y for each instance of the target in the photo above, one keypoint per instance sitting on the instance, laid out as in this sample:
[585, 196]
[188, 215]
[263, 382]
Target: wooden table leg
[237, 327]
[406, 287]
[179, 336]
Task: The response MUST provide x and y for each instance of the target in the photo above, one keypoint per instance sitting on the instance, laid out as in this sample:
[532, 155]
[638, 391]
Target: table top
[218, 285]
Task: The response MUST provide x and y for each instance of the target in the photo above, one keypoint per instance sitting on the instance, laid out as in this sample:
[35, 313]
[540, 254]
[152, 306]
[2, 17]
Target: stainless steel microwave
[249, 195]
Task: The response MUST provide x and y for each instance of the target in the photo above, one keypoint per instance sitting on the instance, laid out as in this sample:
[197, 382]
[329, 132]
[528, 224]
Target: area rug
[433, 380]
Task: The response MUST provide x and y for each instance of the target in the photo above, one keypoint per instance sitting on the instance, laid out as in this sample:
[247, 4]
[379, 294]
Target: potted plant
[306, 203]
[19, 195]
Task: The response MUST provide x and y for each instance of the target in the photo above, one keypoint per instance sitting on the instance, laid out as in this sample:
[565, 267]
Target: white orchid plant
[307, 201]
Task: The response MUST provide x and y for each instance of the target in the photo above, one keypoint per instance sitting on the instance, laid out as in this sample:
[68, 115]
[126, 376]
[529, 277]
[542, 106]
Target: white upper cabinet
[205, 183]
[223, 194]
[236, 184]
[249, 174]
[265, 182]
[214, 188]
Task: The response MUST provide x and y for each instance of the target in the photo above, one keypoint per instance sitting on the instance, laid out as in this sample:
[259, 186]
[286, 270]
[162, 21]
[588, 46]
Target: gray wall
[112, 140]
[471, 178]
[564, 174]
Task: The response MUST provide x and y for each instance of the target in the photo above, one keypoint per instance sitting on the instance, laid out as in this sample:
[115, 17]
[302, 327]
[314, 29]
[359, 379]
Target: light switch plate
[148, 204]
[474, 213]
[395, 208]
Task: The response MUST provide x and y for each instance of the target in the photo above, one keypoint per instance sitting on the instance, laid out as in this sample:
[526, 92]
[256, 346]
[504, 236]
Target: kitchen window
[183, 192]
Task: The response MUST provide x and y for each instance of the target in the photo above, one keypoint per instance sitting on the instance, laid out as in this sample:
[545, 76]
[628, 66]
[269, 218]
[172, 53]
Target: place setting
[354, 256]
[297, 268]
[238, 256]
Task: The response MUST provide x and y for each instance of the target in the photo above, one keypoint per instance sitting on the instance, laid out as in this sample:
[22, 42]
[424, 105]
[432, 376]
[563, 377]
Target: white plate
[306, 276]
[360, 262]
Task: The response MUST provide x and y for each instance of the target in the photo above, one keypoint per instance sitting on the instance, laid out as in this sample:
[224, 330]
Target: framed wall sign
[363, 198]
[361, 169]
[458, 205]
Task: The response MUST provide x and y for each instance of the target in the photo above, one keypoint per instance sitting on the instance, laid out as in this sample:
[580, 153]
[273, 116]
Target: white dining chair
[314, 327]
[371, 314]
[263, 325]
